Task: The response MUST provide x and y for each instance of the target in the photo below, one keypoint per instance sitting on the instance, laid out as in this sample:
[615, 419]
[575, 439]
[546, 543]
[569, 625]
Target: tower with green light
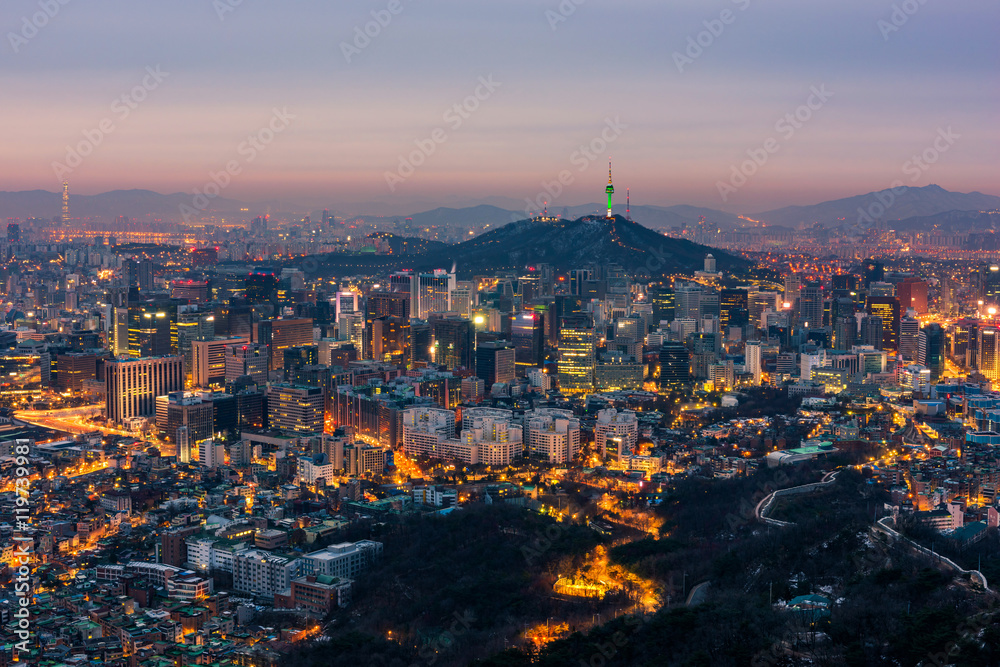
[610, 189]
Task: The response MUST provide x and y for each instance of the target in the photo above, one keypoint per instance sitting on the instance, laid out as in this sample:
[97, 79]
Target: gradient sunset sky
[560, 80]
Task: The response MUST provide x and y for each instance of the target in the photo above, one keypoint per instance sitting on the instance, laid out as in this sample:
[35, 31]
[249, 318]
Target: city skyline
[340, 116]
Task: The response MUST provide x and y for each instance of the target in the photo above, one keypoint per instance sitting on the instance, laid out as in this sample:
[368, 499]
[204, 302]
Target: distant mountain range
[960, 210]
[899, 204]
[564, 244]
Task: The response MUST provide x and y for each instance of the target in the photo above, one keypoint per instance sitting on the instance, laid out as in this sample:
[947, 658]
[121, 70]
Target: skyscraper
[754, 361]
[931, 350]
[454, 340]
[811, 305]
[391, 340]
[295, 409]
[912, 293]
[281, 334]
[909, 337]
[886, 307]
[247, 359]
[872, 331]
[132, 385]
[577, 355]
[988, 352]
[527, 333]
[675, 367]
[495, 362]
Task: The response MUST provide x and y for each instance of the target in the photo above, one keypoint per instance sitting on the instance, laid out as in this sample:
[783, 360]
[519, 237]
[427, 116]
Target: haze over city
[688, 113]
[525, 333]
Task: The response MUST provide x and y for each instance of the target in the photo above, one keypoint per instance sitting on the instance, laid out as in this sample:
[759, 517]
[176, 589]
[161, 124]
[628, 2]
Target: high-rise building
[132, 385]
[281, 334]
[209, 360]
[185, 409]
[793, 285]
[872, 271]
[931, 350]
[664, 303]
[152, 329]
[811, 305]
[495, 363]
[577, 355]
[912, 293]
[616, 432]
[300, 356]
[734, 308]
[988, 352]
[261, 285]
[454, 340]
[527, 333]
[754, 361]
[295, 409]
[845, 332]
[886, 307]
[248, 359]
[386, 304]
[391, 340]
[552, 434]
[434, 293]
[909, 337]
[989, 285]
[872, 331]
[675, 367]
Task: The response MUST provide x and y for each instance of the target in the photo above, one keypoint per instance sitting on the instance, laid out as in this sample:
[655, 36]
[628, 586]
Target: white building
[314, 468]
[346, 560]
[619, 426]
[211, 454]
[262, 573]
[754, 361]
[552, 433]
[425, 429]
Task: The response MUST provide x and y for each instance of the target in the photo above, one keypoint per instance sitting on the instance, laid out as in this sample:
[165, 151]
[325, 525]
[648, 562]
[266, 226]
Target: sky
[738, 105]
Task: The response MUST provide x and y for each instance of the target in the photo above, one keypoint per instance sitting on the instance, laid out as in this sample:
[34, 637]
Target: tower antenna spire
[610, 190]
[65, 202]
[628, 204]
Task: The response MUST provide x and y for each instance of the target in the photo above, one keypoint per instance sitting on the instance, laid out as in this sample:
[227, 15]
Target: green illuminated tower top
[610, 189]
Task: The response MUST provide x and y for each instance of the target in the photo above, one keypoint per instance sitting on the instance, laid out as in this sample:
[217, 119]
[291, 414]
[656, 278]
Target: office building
[577, 355]
[931, 350]
[295, 409]
[495, 363]
[248, 359]
[132, 385]
[886, 307]
[209, 357]
[527, 333]
[453, 342]
[281, 334]
[391, 340]
[675, 367]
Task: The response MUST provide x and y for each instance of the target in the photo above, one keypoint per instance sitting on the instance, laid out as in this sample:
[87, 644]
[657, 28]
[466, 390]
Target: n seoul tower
[610, 189]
